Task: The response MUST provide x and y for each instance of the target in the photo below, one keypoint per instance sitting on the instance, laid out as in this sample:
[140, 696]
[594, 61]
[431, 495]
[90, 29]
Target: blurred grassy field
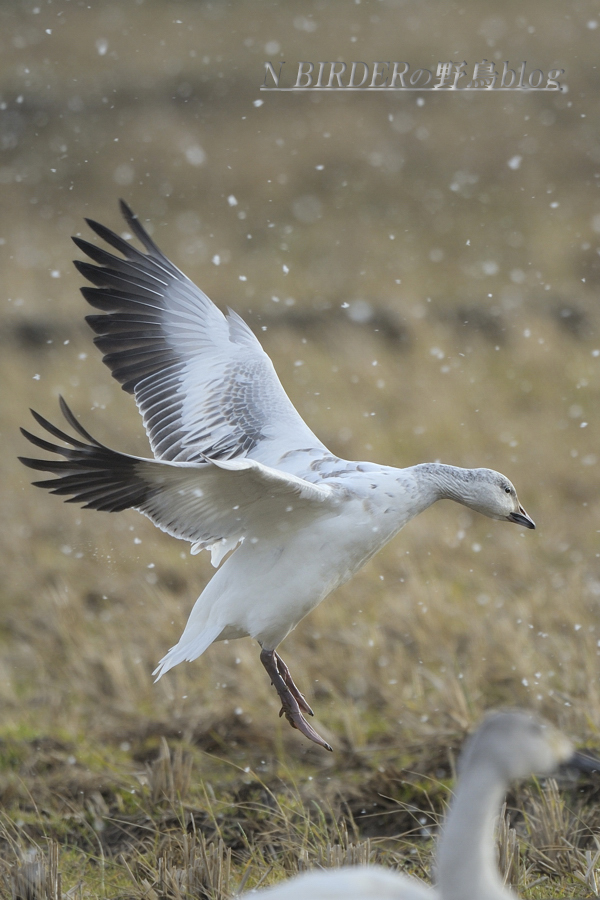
[439, 304]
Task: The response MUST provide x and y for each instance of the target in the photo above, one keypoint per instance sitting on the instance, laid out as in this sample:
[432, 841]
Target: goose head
[492, 494]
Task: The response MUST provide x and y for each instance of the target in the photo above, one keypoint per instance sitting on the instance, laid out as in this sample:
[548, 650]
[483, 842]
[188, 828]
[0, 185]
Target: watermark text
[399, 76]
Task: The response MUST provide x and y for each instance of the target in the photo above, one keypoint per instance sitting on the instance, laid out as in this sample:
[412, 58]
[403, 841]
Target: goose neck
[442, 482]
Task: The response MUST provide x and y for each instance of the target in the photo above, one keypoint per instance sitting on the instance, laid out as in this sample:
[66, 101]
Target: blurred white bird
[235, 466]
[349, 883]
[507, 746]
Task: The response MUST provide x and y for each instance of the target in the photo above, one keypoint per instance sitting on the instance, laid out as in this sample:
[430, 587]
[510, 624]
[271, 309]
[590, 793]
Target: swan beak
[521, 518]
[582, 762]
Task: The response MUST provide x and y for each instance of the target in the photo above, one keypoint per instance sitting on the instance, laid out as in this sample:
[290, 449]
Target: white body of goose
[507, 746]
[235, 467]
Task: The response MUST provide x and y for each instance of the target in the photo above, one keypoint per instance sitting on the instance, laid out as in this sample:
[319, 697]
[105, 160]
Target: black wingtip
[140, 232]
[80, 243]
[40, 442]
[27, 461]
[84, 267]
[126, 211]
[68, 413]
[97, 227]
[76, 424]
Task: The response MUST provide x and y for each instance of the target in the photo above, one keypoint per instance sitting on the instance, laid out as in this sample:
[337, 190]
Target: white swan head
[507, 746]
[516, 744]
[492, 494]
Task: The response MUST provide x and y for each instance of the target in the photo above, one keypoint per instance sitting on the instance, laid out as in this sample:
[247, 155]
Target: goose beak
[521, 518]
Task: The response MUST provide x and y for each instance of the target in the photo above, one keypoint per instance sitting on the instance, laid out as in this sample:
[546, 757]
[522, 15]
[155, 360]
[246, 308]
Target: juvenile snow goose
[507, 746]
[234, 466]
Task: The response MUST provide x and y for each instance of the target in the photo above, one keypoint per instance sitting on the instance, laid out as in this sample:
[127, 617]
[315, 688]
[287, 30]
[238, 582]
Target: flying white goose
[234, 466]
[507, 746]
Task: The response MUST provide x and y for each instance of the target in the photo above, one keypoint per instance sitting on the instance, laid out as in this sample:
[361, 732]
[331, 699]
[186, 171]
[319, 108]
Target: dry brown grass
[111, 786]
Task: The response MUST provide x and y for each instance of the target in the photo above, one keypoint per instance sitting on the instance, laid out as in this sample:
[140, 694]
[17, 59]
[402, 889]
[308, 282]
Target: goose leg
[285, 674]
[290, 696]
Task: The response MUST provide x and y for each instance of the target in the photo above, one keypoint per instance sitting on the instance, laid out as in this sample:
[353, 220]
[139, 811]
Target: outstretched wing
[213, 504]
[201, 380]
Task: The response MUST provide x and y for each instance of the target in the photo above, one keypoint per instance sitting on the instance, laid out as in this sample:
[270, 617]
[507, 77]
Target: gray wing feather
[212, 503]
[201, 380]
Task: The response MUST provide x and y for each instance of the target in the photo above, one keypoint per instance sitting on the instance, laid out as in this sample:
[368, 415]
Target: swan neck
[467, 867]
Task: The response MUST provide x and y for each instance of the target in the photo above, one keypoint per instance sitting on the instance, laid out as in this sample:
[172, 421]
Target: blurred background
[423, 269]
